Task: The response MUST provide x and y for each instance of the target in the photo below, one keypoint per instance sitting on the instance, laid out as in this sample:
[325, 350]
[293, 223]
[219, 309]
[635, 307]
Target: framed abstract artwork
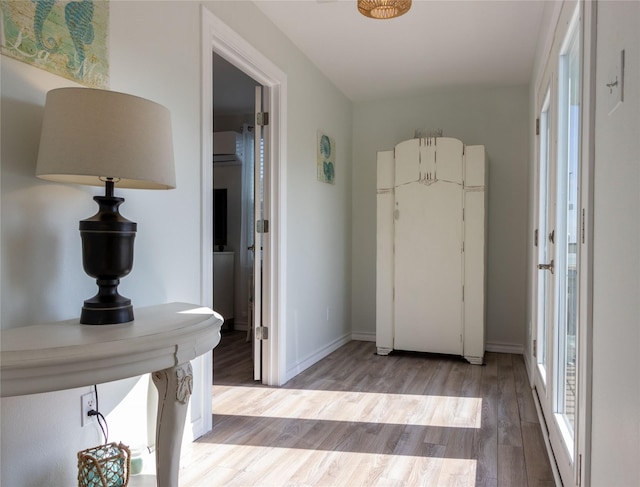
[67, 38]
[326, 159]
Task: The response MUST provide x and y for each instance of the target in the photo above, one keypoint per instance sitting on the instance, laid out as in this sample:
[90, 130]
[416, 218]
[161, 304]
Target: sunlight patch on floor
[369, 407]
[265, 466]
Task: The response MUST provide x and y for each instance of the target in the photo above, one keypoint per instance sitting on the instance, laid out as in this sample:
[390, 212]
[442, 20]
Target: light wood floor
[356, 418]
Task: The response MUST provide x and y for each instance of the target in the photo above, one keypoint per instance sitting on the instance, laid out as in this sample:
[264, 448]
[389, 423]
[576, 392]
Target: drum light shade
[383, 9]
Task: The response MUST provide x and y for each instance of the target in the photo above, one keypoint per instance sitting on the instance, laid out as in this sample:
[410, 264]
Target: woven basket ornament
[104, 466]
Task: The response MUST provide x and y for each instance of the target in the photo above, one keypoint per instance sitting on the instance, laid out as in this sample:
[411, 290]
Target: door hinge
[582, 226]
[262, 333]
[262, 118]
[535, 348]
[463, 293]
[262, 226]
[535, 238]
[579, 470]
[537, 126]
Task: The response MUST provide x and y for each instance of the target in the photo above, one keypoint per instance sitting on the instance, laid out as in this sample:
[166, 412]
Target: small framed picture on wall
[326, 159]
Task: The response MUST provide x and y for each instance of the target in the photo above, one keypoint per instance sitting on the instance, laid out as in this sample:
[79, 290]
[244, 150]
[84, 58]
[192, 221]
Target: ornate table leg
[174, 389]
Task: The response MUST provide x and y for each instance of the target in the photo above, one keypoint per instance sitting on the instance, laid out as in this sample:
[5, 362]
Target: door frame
[219, 38]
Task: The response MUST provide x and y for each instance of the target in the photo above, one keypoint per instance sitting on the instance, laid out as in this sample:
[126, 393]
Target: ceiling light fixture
[383, 9]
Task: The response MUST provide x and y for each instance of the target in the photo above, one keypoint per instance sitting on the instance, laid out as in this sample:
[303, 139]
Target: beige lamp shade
[89, 135]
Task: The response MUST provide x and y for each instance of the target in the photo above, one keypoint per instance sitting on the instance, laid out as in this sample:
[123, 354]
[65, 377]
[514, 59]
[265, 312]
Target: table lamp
[98, 137]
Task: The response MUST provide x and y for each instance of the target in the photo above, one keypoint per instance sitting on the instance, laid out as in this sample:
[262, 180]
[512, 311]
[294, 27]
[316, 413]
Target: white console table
[161, 340]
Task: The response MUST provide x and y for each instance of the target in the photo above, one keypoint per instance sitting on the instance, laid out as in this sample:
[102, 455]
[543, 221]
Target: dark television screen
[219, 218]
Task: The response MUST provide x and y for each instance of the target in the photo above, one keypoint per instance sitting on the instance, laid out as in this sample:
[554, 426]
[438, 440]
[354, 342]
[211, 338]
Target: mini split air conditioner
[227, 148]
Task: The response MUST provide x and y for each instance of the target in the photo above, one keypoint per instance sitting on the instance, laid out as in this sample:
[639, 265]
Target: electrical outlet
[87, 403]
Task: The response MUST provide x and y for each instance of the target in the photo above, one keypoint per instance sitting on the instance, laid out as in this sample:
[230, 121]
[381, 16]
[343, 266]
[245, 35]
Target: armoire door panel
[474, 277]
[428, 271]
[449, 159]
[409, 150]
[475, 252]
[474, 167]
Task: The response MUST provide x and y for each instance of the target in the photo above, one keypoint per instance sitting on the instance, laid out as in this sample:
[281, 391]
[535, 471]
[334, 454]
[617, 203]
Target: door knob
[252, 248]
[547, 267]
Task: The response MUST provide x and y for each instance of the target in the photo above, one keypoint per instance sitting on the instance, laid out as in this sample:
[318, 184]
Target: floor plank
[356, 418]
[536, 458]
[511, 466]
[508, 412]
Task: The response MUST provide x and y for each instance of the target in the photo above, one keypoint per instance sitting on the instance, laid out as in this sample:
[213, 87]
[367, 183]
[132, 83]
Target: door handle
[252, 248]
[546, 267]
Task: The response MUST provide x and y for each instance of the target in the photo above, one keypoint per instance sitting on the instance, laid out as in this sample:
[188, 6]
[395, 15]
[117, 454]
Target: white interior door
[258, 233]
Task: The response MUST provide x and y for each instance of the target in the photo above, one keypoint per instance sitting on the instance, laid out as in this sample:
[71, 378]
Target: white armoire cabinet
[431, 248]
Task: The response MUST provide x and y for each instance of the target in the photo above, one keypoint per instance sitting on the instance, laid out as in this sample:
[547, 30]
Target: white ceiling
[437, 43]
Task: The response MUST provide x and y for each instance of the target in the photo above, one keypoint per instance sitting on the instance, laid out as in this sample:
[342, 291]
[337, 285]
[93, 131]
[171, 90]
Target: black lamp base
[105, 316]
[107, 307]
[107, 255]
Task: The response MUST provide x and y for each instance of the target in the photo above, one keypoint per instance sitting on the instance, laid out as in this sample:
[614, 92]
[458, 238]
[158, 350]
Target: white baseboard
[529, 367]
[499, 347]
[307, 362]
[240, 325]
[545, 436]
[310, 360]
[364, 336]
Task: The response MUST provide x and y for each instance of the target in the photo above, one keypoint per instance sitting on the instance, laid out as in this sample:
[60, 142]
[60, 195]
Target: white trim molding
[315, 357]
[500, 347]
[364, 336]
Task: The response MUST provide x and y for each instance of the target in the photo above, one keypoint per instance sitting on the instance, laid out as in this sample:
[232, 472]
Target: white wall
[155, 53]
[496, 118]
[42, 275]
[616, 300]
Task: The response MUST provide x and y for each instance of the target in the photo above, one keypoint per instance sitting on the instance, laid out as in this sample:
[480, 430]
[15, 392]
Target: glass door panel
[545, 307]
[568, 205]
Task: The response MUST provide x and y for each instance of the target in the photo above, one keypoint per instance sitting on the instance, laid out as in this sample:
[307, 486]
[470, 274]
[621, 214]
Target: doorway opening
[269, 224]
[234, 194]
